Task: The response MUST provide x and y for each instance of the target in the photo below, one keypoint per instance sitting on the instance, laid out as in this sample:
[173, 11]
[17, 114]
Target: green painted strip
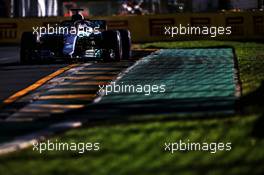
[190, 74]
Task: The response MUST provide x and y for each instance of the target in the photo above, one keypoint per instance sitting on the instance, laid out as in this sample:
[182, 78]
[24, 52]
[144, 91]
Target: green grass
[138, 147]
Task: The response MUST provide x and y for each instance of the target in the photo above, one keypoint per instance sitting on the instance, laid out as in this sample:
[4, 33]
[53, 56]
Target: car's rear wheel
[112, 45]
[27, 47]
[126, 43]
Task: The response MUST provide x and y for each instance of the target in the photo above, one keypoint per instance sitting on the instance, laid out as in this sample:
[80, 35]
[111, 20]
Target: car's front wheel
[27, 47]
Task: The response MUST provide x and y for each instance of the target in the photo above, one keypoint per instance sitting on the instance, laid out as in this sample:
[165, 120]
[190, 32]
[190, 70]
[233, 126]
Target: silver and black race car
[75, 39]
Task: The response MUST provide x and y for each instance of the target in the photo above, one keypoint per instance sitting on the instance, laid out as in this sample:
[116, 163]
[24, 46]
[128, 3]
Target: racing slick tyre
[112, 45]
[27, 47]
[126, 43]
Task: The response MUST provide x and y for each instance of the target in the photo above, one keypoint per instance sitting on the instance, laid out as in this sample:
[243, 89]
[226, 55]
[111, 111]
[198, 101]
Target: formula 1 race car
[75, 39]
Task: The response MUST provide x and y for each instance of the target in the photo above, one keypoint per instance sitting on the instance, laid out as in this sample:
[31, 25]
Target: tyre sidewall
[126, 43]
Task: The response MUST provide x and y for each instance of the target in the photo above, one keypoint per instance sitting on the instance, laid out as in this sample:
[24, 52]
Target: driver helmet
[77, 17]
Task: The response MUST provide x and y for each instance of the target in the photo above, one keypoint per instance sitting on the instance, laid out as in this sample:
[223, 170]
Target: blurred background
[44, 8]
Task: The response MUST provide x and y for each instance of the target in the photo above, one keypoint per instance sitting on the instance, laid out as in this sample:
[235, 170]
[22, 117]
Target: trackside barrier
[149, 28]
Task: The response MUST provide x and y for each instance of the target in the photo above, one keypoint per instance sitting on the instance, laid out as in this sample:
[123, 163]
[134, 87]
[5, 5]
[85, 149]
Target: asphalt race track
[15, 77]
[19, 80]
[9, 55]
